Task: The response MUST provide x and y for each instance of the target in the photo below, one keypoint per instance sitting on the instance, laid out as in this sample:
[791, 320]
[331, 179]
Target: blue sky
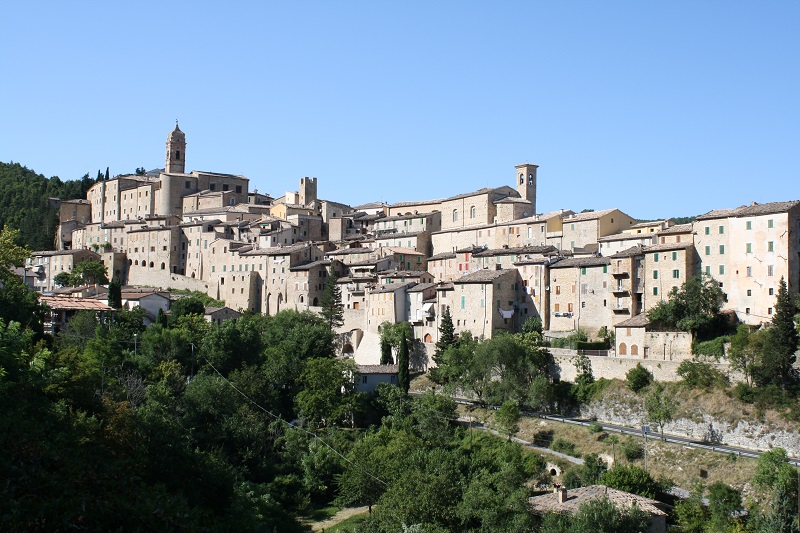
[657, 108]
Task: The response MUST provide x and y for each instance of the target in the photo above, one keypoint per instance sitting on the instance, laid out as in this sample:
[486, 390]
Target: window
[558, 289]
[605, 269]
[583, 271]
[722, 269]
[463, 301]
[721, 230]
[569, 308]
[676, 274]
[721, 249]
[749, 225]
[747, 310]
[655, 258]
[708, 230]
[239, 189]
[455, 215]
[708, 250]
[770, 223]
[770, 246]
[655, 274]
[770, 270]
[772, 292]
[708, 270]
[472, 212]
[749, 273]
[188, 184]
[556, 308]
[655, 291]
[748, 248]
[212, 186]
[225, 187]
[769, 310]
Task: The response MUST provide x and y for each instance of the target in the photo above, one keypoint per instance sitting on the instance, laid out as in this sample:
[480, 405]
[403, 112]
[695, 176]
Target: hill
[24, 202]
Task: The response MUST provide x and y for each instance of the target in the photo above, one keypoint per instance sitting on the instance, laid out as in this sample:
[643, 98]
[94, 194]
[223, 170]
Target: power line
[293, 426]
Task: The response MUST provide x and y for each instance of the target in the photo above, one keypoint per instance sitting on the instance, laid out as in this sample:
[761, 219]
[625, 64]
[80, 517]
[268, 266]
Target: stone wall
[611, 367]
[703, 427]
[163, 279]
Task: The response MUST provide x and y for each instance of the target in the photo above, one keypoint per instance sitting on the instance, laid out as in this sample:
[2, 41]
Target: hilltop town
[486, 254]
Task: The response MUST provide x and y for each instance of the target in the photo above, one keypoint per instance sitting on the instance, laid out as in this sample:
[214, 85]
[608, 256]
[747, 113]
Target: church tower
[526, 183]
[176, 151]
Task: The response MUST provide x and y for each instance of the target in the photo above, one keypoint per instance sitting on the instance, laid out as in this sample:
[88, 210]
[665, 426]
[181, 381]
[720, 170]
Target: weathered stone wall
[703, 427]
[611, 367]
[165, 280]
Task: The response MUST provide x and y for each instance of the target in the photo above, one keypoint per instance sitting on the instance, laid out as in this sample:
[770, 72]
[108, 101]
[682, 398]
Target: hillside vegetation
[24, 202]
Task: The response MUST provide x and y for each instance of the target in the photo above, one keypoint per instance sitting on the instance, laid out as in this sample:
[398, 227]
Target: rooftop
[576, 497]
[483, 276]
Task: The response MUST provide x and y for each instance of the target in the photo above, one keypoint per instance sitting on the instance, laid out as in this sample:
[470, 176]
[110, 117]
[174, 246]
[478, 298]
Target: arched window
[163, 266]
[192, 274]
[473, 212]
[301, 298]
[427, 338]
[315, 302]
[634, 349]
[521, 179]
[530, 179]
[130, 262]
[177, 155]
[623, 350]
[455, 215]
[136, 263]
[151, 264]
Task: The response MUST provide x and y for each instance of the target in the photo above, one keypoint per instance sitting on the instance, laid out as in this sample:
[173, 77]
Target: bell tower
[176, 151]
[526, 183]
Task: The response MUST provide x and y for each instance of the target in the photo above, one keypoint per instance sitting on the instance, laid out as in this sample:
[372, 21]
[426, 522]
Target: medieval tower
[176, 151]
[526, 183]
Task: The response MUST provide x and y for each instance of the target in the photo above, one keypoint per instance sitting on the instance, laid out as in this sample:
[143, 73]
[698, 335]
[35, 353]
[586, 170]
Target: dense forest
[24, 202]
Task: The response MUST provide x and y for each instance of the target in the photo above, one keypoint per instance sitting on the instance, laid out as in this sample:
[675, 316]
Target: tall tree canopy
[24, 202]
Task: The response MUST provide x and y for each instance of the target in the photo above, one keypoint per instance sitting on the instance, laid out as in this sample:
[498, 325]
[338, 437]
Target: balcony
[621, 308]
[619, 289]
[620, 272]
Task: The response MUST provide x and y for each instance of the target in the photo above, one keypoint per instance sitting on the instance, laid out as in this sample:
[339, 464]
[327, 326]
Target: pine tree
[332, 307]
[447, 335]
[403, 376]
[779, 358]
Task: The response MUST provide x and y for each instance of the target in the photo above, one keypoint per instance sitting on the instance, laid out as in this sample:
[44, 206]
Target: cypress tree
[782, 342]
[447, 335]
[115, 293]
[403, 376]
[332, 307]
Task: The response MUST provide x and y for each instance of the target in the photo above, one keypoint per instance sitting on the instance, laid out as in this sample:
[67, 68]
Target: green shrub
[631, 449]
[571, 340]
[563, 446]
[638, 378]
[712, 348]
[698, 374]
[594, 427]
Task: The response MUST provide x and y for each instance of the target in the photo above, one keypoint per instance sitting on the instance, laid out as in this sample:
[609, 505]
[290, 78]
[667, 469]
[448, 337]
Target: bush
[631, 449]
[712, 348]
[697, 374]
[633, 479]
[638, 378]
[594, 427]
[563, 446]
[571, 340]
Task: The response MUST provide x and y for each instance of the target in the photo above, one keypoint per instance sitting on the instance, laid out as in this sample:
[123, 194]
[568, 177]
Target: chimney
[562, 495]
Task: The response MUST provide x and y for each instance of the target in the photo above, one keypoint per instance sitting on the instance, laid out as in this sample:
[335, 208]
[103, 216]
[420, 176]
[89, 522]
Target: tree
[694, 307]
[660, 407]
[115, 294]
[507, 418]
[638, 378]
[63, 279]
[90, 272]
[776, 481]
[598, 516]
[532, 325]
[744, 352]
[403, 361]
[386, 352]
[331, 302]
[633, 479]
[11, 253]
[724, 502]
[189, 305]
[447, 335]
[328, 386]
[781, 343]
